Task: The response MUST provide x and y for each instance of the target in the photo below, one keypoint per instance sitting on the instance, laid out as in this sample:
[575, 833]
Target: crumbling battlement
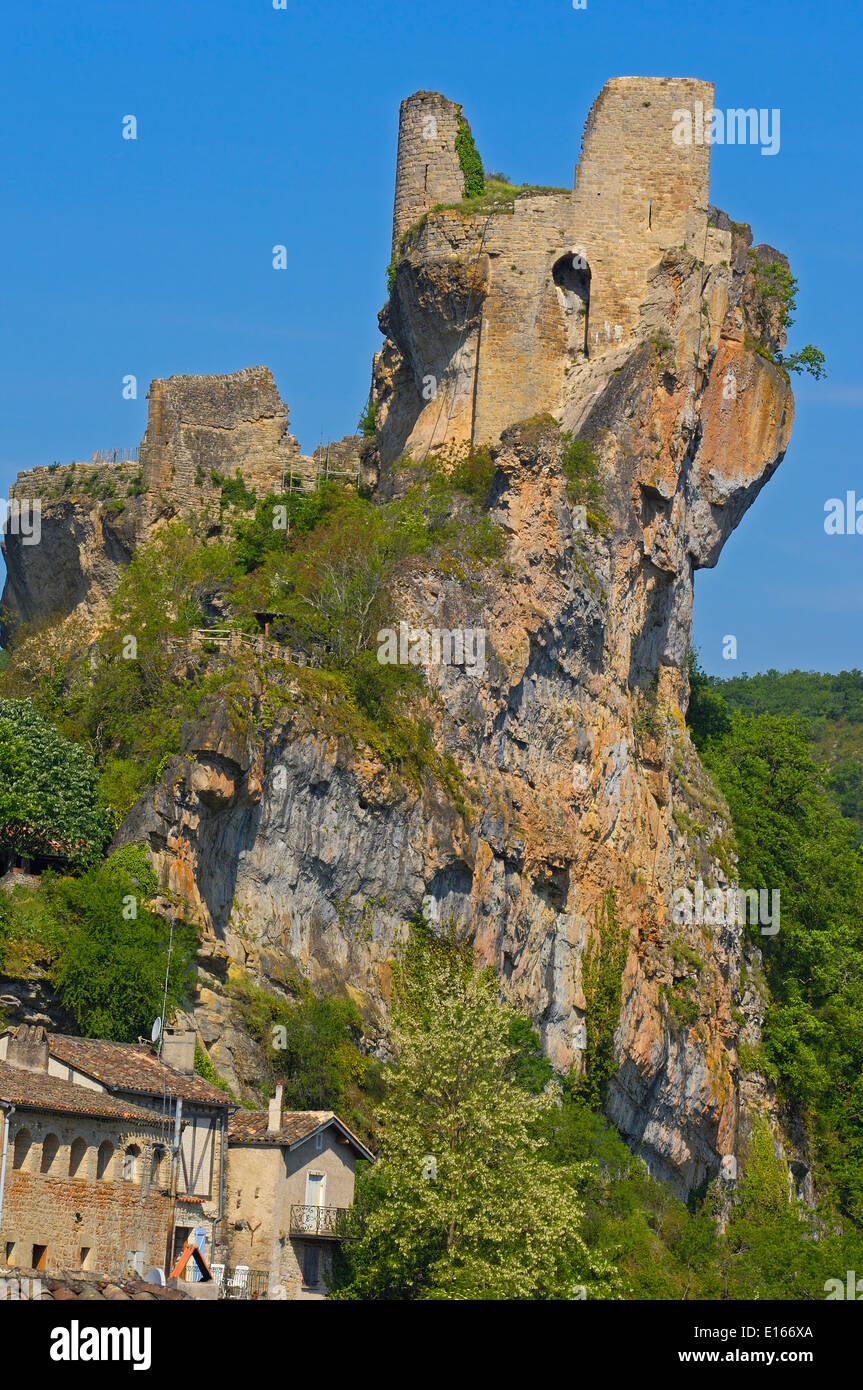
[99, 481]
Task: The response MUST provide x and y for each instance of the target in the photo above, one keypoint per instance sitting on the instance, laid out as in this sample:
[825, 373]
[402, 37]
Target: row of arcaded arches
[25, 1151]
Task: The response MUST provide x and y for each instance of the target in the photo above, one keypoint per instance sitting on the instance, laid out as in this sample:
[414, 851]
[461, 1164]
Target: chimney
[28, 1048]
[274, 1111]
[178, 1049]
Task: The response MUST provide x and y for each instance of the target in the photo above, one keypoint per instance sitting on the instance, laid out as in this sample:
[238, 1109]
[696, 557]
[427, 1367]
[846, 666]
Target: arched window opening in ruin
[130, 1163]
[571, 276]
[50, 1149]
[77, 1154]
[103, 1159]
[23, 1145]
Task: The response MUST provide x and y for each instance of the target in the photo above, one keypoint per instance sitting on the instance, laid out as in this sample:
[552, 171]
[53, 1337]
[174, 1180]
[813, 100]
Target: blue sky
[259, 126]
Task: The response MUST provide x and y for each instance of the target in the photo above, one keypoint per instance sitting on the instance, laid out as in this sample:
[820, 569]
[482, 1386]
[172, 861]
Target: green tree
[49, 805]
[793, 841]
[464, 1201]
[111, 973]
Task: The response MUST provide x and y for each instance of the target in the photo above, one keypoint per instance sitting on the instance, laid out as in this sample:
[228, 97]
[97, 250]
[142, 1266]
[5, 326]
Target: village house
[114, 1160]
[110, 1158]
[290, 1200]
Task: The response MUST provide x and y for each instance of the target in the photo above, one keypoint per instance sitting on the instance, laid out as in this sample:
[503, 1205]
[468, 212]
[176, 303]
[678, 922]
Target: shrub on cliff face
[311, 1046]
[49, 807]
[111, 972]
[468, 158]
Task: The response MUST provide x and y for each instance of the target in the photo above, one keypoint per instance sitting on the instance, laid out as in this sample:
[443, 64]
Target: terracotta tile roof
[132, 1067]
[36, 1090]
[250, 1127]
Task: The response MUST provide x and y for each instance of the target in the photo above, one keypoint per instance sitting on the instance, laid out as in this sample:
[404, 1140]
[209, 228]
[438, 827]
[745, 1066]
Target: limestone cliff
[296, 850]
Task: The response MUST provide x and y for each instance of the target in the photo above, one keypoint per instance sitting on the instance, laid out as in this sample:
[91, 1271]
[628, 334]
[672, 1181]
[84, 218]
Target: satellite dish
[156, 1030]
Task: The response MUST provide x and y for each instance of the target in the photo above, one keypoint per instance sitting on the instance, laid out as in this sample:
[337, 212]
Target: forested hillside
[831, 711]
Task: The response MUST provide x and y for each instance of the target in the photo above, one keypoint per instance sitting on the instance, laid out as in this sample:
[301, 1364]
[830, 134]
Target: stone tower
[427, 166]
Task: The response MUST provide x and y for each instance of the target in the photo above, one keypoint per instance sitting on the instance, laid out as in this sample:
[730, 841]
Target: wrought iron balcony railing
[326, 1223]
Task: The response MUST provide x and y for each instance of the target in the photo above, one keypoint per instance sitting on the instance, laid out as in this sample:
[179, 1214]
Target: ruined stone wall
[427, 166]
[636, 193]
[76, 480]
[201, 425]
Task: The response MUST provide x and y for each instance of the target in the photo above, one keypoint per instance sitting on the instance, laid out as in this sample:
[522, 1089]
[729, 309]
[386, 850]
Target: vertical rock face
[299, 852]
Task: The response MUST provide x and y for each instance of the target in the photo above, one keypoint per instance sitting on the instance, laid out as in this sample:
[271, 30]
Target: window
[50, 1148]
[103, 1160]
[311, 1265]
[10, 1252]
[84, 1257]
[39, 1254]
[77, 1154]
[319, 1142]
[130, 1163]
[158, 1174]
[23, 1145]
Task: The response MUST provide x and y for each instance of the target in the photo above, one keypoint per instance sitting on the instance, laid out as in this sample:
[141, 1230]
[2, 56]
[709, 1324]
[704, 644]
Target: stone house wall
[65, 1215]
[263, 1182]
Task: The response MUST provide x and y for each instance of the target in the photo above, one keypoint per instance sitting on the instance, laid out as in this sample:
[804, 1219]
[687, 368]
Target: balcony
[325, 1223]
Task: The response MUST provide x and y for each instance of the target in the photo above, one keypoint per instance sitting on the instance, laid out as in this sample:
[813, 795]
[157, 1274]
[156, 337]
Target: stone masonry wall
[75, 480]
[110, 1217]
[636, 192]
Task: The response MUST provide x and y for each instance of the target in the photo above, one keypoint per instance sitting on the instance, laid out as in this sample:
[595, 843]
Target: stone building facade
[290, 1193]
[113, 1160]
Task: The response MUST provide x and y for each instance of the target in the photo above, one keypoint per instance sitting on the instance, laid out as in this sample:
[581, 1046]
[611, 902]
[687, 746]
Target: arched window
[77, 1154]
[50, 1148]
[130, 1163]
[23, 1145]
[103, 1159]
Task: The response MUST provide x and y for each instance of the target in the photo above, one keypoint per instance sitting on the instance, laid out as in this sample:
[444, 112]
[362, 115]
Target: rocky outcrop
[580, 806]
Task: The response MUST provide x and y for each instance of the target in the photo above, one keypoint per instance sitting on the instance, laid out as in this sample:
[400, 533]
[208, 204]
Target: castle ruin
[493, 306]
